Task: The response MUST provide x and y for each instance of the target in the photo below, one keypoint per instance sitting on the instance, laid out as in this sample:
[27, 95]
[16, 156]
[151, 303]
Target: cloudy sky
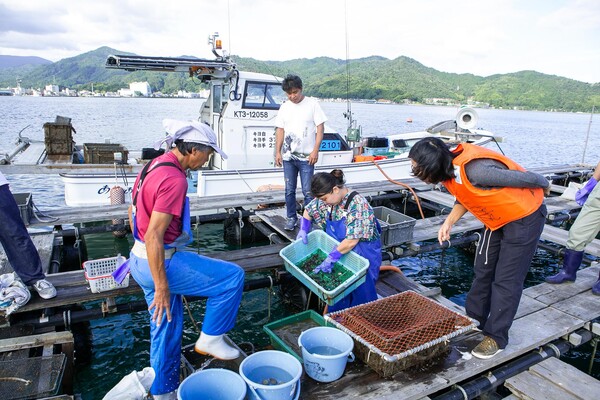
[483, 37]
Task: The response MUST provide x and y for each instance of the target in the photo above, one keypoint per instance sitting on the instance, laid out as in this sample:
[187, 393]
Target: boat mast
[353, 133]
[588, 135]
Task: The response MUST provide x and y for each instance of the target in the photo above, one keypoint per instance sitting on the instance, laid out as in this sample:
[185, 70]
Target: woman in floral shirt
[347, 217]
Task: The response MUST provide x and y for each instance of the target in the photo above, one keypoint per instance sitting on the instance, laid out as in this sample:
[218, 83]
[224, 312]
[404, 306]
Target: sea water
[269, 375]
[120, 344]
[324, 350]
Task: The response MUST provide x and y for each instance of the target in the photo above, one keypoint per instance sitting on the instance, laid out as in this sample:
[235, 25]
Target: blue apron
[186, 237]
[371, 250]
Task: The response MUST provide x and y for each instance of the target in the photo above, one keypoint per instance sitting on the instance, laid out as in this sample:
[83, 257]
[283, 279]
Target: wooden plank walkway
[425, 229]
[561, 309]
[555, 205]
[72, 288]
[553, 379]
[560, 236]
[203, 205]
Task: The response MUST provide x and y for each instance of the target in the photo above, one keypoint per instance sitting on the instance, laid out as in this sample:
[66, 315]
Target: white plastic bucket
[212, 384]
[325, 352]
[271, 375]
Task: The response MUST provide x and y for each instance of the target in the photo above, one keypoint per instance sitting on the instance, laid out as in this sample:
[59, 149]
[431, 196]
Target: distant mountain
[373, 77]
[405, 78]
[17, 61]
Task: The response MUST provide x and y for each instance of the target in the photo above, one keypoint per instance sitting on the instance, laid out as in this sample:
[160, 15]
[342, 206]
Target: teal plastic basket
[319, 240]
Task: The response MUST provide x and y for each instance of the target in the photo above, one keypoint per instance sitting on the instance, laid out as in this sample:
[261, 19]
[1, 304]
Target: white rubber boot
[215, 346]
[167, 396]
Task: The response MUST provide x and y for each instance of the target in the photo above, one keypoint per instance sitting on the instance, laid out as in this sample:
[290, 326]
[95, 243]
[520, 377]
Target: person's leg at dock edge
[306, 173]
[502, 261]
[194, 275]
[582, 232]
[290, 173]
[20, 250]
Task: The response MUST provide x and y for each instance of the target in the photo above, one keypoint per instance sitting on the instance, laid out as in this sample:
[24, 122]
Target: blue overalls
[188, 274]
[371, 250]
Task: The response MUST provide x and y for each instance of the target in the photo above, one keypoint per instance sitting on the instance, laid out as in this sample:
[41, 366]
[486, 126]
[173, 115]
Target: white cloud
[462, 36]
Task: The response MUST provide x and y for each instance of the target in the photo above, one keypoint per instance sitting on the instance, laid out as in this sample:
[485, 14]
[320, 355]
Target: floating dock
[550, 318]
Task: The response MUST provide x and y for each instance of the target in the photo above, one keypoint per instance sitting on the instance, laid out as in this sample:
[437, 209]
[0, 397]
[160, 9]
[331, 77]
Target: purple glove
[121, 272]
[583, 193]
[327, 265]
[304, 229]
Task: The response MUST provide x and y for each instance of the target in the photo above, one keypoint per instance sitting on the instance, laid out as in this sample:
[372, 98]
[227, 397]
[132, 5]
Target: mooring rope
[269, 290]
[37, 213]
[404, 185]
[187, 307]
[243, 180]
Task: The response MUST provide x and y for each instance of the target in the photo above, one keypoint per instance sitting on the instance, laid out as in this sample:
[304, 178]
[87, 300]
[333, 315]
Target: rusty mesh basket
[399, 326]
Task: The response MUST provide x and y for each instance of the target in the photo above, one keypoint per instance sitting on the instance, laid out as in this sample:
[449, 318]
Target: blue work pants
[291, 169]
[20, 250]
[188, 274]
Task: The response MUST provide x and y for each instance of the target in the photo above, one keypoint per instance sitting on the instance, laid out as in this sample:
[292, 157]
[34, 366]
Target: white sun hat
[189, 131]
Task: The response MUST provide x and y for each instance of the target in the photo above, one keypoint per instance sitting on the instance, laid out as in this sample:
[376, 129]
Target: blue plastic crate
[319, 240]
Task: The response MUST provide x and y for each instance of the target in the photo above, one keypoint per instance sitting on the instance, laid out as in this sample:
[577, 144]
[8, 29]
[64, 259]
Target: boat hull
[212, 183]
[94, 189]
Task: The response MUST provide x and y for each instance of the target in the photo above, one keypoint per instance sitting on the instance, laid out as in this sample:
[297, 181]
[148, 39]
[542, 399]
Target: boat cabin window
[219, 93]
[263, 95]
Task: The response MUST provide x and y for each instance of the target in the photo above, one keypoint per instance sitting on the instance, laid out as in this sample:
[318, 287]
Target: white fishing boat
[241, 109]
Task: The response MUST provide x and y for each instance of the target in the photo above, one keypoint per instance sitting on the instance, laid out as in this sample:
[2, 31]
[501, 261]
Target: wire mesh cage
[400, 326]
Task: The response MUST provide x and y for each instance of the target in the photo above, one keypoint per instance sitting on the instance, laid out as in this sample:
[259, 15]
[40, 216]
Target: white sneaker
[45, 289]
[215, 346]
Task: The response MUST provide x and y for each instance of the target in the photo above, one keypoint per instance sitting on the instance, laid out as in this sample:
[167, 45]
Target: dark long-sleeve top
[485, 173]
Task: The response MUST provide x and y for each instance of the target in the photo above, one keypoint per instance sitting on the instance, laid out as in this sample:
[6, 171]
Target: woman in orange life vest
[510, 203]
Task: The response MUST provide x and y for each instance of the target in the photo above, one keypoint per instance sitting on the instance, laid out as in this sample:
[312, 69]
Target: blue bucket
[325, 352]
[271, 375]
[212, 384]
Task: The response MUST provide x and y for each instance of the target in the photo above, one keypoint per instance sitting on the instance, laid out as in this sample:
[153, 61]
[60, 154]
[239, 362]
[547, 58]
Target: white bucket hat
[189, 131]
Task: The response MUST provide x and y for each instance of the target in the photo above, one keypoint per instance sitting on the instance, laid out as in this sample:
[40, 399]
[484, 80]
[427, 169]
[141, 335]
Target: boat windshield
[263, 95]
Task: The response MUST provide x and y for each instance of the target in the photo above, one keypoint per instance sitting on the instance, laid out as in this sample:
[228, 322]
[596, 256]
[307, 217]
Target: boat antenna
[348, 113]
[229, 25]
[588, 135]
[353, 133]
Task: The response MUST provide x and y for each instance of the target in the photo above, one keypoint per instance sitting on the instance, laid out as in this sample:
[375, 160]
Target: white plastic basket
[98, 274]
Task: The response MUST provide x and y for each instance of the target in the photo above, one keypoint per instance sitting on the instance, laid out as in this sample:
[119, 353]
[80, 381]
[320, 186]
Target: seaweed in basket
[339, 274]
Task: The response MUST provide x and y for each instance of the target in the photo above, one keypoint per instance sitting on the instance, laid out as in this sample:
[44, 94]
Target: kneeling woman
[347, 217]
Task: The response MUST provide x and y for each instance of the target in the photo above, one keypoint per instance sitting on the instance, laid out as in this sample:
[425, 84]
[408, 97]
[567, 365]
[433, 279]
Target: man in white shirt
[20, 250]
[300, 125]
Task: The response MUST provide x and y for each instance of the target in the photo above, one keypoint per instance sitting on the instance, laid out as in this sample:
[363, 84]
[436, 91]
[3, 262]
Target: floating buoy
[409, 119]
[117, 196]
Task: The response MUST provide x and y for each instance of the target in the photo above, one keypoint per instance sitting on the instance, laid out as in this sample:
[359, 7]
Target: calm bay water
[120, 344]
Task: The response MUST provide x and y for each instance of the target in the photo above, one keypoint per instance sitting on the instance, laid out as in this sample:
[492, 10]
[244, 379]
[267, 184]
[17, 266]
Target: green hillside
[373, 77]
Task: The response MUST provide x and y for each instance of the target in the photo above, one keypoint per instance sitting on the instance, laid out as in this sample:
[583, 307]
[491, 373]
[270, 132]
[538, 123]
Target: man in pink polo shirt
[161, 223]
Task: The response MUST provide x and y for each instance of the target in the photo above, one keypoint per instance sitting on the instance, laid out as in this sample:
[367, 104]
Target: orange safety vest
[494, 207]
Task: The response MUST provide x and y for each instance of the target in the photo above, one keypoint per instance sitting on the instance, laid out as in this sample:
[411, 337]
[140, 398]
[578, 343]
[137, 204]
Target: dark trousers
[501, 264]
[20, 250]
